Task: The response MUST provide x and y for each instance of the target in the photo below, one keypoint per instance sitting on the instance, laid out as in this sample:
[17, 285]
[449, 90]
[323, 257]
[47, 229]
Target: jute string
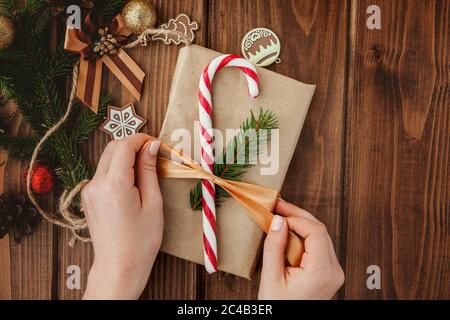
[76, 222]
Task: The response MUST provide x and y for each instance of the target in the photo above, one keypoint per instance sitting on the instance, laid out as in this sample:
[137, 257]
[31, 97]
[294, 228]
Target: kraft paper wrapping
[239, 238]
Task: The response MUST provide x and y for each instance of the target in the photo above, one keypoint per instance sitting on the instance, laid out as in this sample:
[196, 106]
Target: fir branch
[5, 89]
[34, 78]
[72, 168]
[33, 7]
[240, 147]
[108, 9]
[41, 24]
[7, 7]
[61, 63]
[20, 148]
[89, 121]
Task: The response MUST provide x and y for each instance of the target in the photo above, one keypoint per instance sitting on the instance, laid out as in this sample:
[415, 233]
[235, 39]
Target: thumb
[147, 177]
[274, 248]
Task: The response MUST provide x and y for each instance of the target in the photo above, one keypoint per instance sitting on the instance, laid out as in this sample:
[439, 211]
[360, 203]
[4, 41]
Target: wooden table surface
[373, 160]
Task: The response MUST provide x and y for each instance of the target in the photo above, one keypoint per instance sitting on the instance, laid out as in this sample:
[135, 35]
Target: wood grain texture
[373, 160]
[171, 278]
[313, 39]
[5, 253]
[31, 261]
[5, 268]
[398, 150]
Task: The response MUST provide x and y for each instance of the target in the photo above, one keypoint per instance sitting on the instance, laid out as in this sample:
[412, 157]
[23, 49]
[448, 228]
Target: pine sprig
[7, 6]
[89, 121]
[73, 168]
[20, 148]
[108, 8]
[34, 78]
[241, 147]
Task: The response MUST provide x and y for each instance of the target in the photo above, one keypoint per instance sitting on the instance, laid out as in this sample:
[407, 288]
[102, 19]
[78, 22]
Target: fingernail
[277, 221]
[281, 199]
[154, 147]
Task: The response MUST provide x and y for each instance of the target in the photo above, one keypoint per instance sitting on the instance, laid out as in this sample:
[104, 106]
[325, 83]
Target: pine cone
[18, 216]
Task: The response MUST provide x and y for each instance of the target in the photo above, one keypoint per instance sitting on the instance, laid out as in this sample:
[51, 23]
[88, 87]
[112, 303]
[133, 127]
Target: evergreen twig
[7, 6]
[108, 8]
[32, 76]
[20, 148]
[231, 168]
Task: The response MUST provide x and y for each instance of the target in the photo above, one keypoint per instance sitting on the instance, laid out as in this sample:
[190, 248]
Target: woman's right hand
[319, 275]
[124, 212]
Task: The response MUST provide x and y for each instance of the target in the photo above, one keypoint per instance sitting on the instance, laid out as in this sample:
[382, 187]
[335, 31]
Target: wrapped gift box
[239, 238]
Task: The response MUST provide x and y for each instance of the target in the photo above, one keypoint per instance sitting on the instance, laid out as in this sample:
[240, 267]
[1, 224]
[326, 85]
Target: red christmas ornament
[42, 179]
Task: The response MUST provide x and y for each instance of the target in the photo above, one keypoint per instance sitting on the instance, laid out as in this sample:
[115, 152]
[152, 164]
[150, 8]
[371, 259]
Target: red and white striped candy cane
[207, 144]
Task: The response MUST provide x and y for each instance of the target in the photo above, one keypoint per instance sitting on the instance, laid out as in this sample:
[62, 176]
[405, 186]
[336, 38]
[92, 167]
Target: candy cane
[207, 144]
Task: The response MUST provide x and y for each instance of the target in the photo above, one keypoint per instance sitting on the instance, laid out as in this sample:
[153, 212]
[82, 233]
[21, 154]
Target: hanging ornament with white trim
[262, 47]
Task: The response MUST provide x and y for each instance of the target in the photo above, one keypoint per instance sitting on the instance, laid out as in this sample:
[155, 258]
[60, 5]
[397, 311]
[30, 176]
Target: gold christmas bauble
[7, 32]
[139, 15]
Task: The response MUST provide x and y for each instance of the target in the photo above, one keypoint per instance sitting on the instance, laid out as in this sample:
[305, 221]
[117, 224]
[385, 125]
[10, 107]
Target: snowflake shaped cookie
[122, 122]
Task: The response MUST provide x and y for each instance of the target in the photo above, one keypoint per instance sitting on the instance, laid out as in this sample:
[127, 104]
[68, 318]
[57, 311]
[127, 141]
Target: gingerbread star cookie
[122, 122]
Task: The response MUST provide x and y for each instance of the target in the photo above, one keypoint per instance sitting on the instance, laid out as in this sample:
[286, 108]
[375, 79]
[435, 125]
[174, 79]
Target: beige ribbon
[90, 73]
[258, 201]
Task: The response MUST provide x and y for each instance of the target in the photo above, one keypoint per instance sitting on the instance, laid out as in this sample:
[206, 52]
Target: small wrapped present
[239, 239]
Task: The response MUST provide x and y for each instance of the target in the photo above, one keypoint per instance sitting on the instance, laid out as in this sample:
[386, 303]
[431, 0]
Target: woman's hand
[123, 207]
[319, 275]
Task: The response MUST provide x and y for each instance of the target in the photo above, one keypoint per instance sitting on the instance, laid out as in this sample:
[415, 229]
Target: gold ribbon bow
[90, 74]
[258, 201]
